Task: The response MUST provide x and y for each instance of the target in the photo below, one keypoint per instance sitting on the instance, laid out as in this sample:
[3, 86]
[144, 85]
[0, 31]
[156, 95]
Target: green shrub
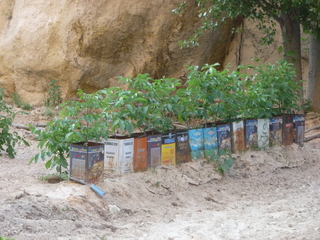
[147, 104]
[226, 96]
[306, 105]
[8, 139]
[154, 104]
[223, 159]
[49, 112]
[54, 95]
[17, 100]
[81, 121]
[26, 106]
[280, 93]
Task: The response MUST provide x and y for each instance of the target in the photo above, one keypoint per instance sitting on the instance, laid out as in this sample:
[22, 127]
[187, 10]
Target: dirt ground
[272, 194]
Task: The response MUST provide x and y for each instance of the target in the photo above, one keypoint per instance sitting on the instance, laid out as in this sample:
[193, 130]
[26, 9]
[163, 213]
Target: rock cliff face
[86, 44]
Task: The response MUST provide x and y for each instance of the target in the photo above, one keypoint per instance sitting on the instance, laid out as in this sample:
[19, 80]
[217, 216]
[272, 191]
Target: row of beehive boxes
[139, 152]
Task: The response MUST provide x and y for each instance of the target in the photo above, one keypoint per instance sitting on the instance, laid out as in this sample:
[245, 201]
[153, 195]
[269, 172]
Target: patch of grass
[6, 238]
[63, 209]
[154, 170]
[103, 237]
[157, 184]
[49, 112]
[306, 106]
[26, 106]
[17, 100]
[64, 176]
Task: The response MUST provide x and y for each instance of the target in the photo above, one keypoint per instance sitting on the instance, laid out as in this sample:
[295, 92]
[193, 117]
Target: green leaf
[35, 158]
[130, 127]
[139, 100]
[130, 108]
[121, 125]
[43, 155]
[25, 142]
[48, 164]
[63, 162]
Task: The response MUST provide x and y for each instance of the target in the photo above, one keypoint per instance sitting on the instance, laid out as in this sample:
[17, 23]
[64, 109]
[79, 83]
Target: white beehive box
[118, 158]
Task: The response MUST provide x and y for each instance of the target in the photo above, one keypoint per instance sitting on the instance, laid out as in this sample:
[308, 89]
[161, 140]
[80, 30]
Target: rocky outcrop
[86, 44]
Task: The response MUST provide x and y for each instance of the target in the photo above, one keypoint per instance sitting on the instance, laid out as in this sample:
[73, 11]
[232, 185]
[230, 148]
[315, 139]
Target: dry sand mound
[272, 194]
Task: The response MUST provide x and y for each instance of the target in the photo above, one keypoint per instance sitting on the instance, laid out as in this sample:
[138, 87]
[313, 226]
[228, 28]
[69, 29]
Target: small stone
[114, 210]
[20, 195]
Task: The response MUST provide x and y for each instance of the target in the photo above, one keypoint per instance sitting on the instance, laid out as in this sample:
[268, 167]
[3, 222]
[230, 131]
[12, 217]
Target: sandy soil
[273, 194]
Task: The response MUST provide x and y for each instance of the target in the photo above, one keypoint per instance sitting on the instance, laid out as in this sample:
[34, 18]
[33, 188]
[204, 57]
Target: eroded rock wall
[86, 44]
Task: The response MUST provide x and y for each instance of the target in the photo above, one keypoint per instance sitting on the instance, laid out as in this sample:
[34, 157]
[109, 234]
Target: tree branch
[311, 129]
[312, 137]
[22, 126]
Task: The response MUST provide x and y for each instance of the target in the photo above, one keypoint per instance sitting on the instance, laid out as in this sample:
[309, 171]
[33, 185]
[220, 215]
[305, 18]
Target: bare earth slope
[271, 194]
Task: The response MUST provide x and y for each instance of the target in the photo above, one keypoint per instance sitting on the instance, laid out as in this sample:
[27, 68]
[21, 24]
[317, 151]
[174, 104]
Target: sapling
[9, 139]
[80, 121]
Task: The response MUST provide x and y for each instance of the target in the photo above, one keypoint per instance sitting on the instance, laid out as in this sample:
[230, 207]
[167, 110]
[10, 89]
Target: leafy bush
[226, 96]
[217, 94]
[54, 95]
[149, 103]
[8, 139]
[17, 100]
[224, 160]
[81, 121]
[49, 112]
[306, 105]
[278, 92]
[154, 104]
[53, 144]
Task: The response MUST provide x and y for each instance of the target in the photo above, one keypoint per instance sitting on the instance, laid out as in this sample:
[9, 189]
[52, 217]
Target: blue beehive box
[210, 141]
[196, 143]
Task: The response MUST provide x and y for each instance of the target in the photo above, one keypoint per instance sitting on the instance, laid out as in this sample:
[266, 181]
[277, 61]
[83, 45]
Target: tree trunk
[292, 47]
[314, 74]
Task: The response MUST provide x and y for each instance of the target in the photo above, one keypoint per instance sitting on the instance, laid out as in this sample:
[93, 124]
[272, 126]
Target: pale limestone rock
[86, 44]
